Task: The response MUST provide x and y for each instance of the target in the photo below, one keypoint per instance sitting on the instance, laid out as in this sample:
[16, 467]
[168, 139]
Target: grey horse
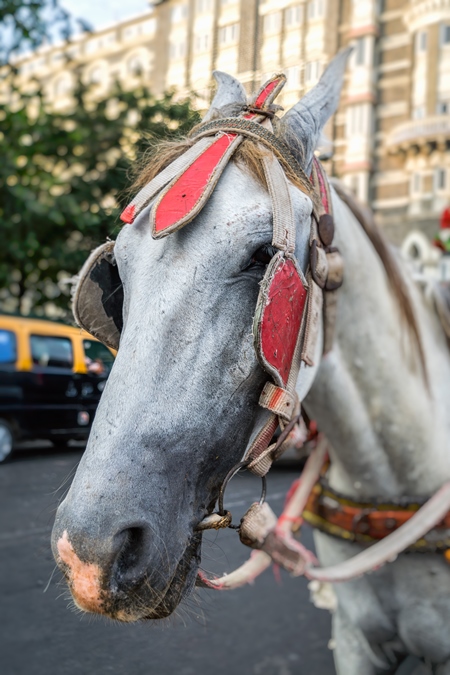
[181, 404]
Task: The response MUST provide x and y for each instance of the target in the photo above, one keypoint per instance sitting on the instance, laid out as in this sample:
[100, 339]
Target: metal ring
[236, 468]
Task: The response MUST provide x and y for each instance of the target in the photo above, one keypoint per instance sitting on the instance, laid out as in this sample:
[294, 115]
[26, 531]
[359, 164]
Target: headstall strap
[289, 307]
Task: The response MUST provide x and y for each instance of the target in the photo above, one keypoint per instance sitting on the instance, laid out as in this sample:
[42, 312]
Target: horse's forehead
[238, 214]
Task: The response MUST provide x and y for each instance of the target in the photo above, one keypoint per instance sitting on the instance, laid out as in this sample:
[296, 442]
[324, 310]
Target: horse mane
[249, 156]
[395, 277]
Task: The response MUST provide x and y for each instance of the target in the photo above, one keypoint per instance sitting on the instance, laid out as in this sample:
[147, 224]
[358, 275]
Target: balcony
[419, 135]
[426, 12]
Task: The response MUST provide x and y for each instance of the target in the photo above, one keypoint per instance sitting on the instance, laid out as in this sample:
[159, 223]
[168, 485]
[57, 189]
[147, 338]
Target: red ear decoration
[267, 94]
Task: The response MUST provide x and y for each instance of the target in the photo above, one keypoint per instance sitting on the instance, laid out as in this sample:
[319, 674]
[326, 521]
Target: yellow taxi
[51, 379]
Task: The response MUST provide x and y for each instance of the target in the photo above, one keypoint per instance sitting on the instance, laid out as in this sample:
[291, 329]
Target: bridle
[290, 311]
[290, 304]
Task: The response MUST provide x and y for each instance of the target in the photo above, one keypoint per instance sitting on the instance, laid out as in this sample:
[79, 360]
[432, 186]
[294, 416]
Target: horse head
[181, 403]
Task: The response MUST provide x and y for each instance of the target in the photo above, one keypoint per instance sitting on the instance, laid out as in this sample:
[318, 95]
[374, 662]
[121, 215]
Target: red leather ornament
[179, 203]
[127, 215]
[279, 317]
[267, 91]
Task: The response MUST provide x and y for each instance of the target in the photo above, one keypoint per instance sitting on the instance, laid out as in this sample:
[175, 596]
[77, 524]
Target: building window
[272, 23]
[96, 75]
[229, 34]
[442, 107]
[201, 43]
[360, 51]
[440, 179]
[416, 183]
[312, 72]
[51, 352]
[203, 6]
[358, 120]
[294, 15]
[136, 65]
[445, 34]
[293, 77]
[421, 41]
[179, 13]
[177, 50]
[148, 27]
[131, 32]
[93, 46]
[316, 9]
[418, 112]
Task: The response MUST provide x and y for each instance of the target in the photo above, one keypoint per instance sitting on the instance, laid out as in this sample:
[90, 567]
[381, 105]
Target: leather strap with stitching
[368, 522]
[261, 134]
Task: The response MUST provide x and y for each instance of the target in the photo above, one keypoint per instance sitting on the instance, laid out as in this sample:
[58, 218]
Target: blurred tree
[26, 24]
[61, 177]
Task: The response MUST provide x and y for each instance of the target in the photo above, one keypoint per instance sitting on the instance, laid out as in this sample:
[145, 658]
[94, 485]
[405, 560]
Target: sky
[103, 12]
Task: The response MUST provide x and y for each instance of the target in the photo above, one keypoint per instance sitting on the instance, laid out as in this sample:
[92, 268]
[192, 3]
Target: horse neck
[388, 431]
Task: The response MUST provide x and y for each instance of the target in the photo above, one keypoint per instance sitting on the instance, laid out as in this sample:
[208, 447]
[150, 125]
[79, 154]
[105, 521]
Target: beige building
[392, 130]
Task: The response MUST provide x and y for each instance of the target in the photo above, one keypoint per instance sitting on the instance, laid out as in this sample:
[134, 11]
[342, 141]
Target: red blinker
[282, 318]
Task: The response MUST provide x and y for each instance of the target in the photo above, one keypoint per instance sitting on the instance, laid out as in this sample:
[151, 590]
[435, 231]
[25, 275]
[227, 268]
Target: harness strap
[258, 132]
[322, 231]
[260, 445]
[366, 523]
[278, 400]
[283, 213]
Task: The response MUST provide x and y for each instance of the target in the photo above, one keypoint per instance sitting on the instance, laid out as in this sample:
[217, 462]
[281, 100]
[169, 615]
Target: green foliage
[62, 182]
[25, 24]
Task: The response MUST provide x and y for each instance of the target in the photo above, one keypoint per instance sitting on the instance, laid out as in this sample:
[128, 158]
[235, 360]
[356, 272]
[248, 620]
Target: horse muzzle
[124, 576]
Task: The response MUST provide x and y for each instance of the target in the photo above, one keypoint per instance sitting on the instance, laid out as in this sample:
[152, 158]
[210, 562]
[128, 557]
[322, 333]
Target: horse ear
[305, 121]
[230, 94]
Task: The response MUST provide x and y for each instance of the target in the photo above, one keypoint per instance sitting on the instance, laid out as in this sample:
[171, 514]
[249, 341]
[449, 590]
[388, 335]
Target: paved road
[269, 628]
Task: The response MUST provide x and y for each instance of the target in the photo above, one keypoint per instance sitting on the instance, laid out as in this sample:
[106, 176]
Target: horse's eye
[262, 256]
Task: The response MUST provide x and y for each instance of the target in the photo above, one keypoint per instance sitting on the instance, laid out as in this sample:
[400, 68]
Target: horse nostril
[130, 563]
